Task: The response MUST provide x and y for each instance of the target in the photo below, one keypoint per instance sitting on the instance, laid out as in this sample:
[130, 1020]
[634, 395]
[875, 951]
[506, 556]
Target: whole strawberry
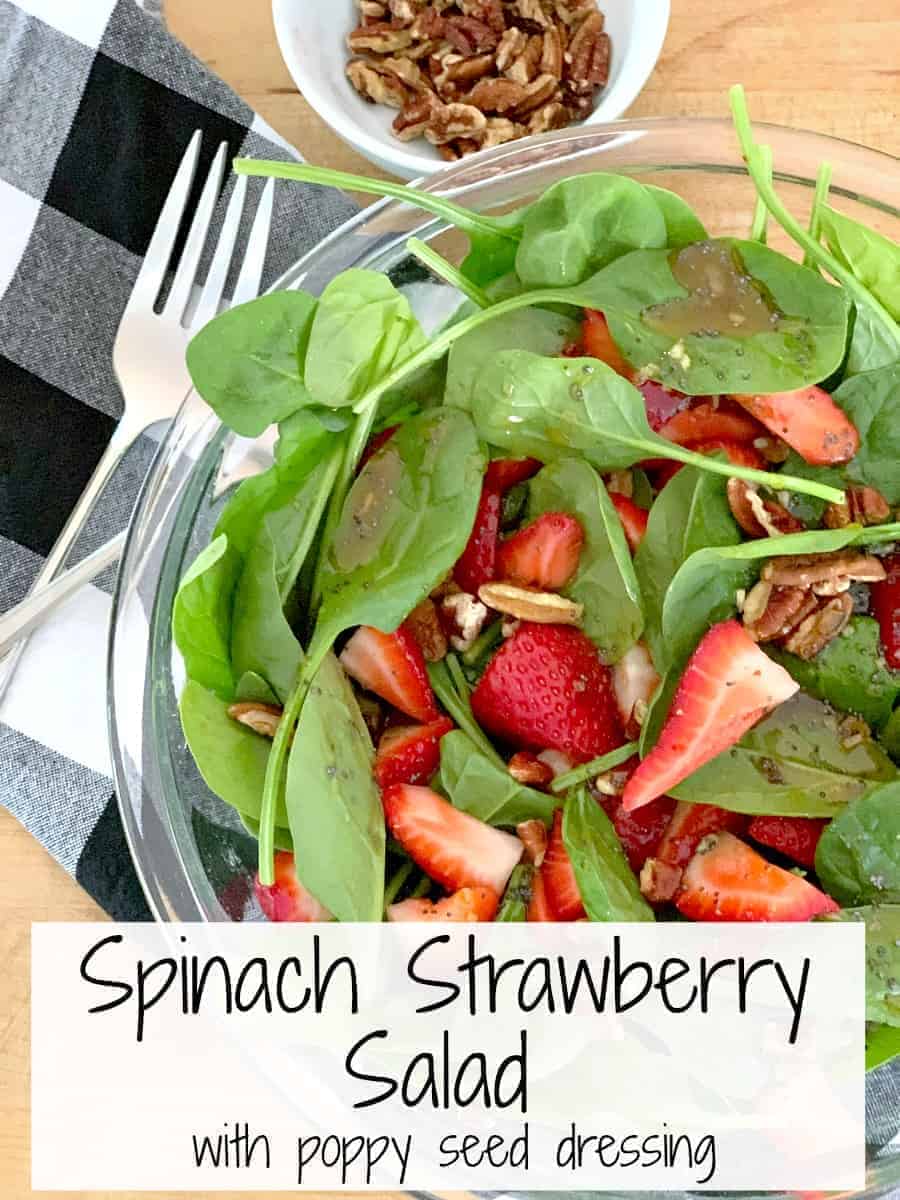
[546, 689]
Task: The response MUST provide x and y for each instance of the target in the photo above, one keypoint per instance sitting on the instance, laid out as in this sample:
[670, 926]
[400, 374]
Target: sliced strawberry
[410, 753]
[392, 666]
[740, 453]
[634, 682]
[727, 881]
[287, 899]
[455, 849]
[809, 421]
[886, 609]
[598, 343]
[538, 906]
[468, 904]
[478, 562]
[661, 403]
[546, 688]
[633, 518]
[689, 825]
[562, 894]
[544, 554]
[375, 443]
[504, 473]
[796, 837]
[709, 421]
[727, 686]
[640, 832]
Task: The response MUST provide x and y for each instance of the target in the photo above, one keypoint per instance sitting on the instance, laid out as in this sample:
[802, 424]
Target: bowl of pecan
[413, 84]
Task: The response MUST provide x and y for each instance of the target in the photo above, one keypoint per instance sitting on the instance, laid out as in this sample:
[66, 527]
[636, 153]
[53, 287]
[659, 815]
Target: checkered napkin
[97, 104]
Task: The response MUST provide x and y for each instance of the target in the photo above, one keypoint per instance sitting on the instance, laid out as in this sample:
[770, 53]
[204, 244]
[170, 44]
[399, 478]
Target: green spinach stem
[446, 271]
[396, 882]
[823, 183]
[595, 767]
[483, 643]
[459, 680]
[458, 708]
[298, 557]
[760, 212]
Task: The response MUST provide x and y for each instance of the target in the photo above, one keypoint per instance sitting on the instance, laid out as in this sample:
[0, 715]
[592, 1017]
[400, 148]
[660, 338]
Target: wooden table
[817, 64]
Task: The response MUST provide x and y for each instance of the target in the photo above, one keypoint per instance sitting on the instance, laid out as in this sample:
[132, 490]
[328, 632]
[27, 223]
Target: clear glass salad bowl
[194, 858]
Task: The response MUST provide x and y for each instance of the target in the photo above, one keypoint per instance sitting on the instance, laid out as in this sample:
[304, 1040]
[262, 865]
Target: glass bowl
[194, 858]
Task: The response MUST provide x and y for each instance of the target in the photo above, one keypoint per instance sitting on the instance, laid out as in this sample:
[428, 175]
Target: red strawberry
[504, 473]
[410, 753]
[598, 343]
[287, 899]
[809, 421]
[640, 832]
[727, 686]
[689, 825]
[546, 688]
[562, 894]
[544, 554]
[660, 403]
[477, 563]
[634, 682]
[392, 666]
[633, 518]
[468, 904]
[375, 443]
[708, 421]
[538, 906]
[455, 849]
[886, 609]
[797, 837]
[727, 881]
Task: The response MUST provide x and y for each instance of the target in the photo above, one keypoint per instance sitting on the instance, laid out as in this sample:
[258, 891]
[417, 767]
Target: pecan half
[532, 13]
[261, 718]
[425, 626]
[467, 70]
[375, 84]
[757, 516]
[371, 11]
[469, 35]
[552, 52]
[496, 95]
[526, 768]
[538, 92]
[405, 11]
[573, 12]
[533, 834]
[407, 72]
[414, 116]
[427, 26]
[588, 54]
[526, 604]
[500, 130]
[381, 37]
[510, 46]
[805, 570]
[526, 66]
[771, 612]
[489, 12]
[454, 120]
[862, 506]
[819, 628]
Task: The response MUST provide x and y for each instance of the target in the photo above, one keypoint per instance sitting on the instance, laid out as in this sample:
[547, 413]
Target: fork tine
[186, 272]
[159, 251]
[250, 276]
[208, 305]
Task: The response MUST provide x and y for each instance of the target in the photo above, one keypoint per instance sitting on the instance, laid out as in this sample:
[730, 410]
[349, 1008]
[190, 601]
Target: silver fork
[148, 358]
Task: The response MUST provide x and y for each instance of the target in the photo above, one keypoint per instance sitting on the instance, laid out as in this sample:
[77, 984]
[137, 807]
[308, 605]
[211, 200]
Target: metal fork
[148, 358]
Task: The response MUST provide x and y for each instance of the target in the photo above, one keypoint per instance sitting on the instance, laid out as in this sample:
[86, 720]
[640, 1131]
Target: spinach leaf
[858, 856]
[230, 757]
[889, 736]
[690, 513]
[882, 1044]
[251, 686]
[609, 890]
[244, 362]
[882, 923]
[362, 329]
[478, 786]
[580, 224]
[459, 708]
[201, 617]
[683, 226]
[517, 896]
[792, 764]
[282, 839]
[850, 673]
[872, 402]
[871, 344]
[533, 329]
[605, 582]
[333, 804]
[873, 258]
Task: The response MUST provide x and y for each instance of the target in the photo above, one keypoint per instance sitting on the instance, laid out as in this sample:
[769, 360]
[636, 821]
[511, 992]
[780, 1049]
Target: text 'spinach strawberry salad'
[587, 605]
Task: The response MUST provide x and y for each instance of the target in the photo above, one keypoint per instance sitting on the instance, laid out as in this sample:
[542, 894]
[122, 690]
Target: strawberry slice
[809, 421]
[633, 518]
[455, 849]
[546, 688]
[392, 666]
[561, 891]
[598, 343]
[287, 899]
[661, 403]
[477, 563]
[640, 832]
[375, 443]
[634, 682]
[468, 904]
[689, 825]
[410, 753]
[709, 421]
[886, 609]
[728, 881]
[538, 906]
[727, 686]
[795, 837]
[544, 554]
[504, 473]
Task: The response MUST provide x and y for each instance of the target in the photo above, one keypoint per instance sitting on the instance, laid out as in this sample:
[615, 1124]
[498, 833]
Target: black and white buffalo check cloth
[97, 104]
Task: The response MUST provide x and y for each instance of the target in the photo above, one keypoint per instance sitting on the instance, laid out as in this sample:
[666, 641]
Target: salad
[585, 606]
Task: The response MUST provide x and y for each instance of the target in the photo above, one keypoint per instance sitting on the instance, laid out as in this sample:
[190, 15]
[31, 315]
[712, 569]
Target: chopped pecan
[526, 768]
[412, 119]
[500, 130]
[425, 626]
[371, 11]
[467, 70]
[819, 628]
[464, 617]
[405, 11]
[552, 53]
[526, 604]
[427, 26]
[588, 53]
[496, 95]
[757, 516]
[532, 13]
[537, 93]
[551, 116]
[573, 12]
[510, 46]
[659, 881]
[375, 84]
[526, 66]
[450, 121]
[489, 12]
[261, 718]
[805, 570]
[532, 834]
[469, 35]
[612, 783]
[382, 38]
[862, 506]
[407, 72]
[771, 612]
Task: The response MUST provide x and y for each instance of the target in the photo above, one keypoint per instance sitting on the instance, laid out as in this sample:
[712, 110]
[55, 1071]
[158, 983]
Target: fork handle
[124, 436]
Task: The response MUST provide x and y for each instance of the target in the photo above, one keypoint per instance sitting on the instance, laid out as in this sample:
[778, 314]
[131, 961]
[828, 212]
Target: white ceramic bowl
[312, 36]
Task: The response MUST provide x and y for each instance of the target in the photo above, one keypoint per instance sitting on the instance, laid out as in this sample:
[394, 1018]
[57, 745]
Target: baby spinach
[605, 582]
[793, 763]
[873, 258]
[251, 686]
[477, 785]
[858, 856]
[517, 896]
[872, 402]
[871, 344]
[244, 363]
[850, 673]
[363, 328]
[882, 922]
[201, 617]
[333, 804]
[607, 885]
[690, 513]
[882, 1044]
[683, 226]
[889, 735]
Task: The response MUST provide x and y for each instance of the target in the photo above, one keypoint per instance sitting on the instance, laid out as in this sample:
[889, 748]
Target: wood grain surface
[826, 65]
